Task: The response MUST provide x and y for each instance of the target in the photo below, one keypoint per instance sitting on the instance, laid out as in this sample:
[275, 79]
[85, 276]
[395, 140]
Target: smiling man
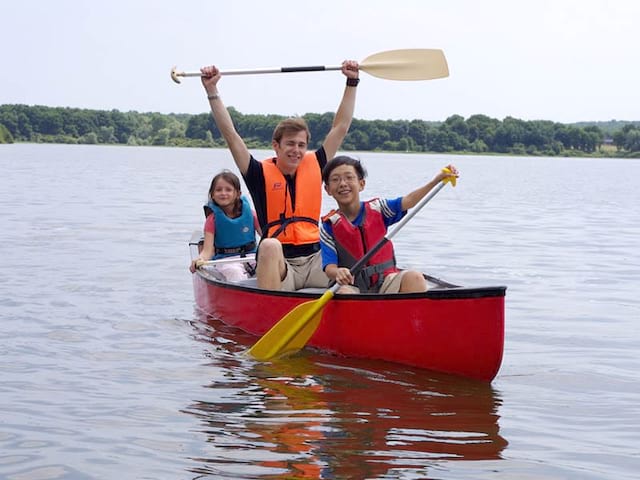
[286, 189]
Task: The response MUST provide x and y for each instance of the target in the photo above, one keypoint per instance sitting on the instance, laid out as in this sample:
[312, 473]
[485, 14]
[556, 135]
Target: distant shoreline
[476, 135]
[602, 155]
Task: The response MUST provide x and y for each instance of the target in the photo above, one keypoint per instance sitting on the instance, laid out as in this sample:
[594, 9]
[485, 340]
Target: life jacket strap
[284, 222]
[242, 250]
[367, 273]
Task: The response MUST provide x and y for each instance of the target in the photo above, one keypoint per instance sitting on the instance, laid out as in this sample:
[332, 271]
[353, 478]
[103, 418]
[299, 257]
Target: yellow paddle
[292, 331]
[407, 64]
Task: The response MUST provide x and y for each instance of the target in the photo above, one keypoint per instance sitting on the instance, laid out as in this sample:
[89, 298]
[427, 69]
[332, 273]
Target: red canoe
[448, 329]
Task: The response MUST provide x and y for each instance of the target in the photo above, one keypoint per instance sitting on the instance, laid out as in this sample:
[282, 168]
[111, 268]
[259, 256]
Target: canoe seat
[253, 283]
[312, 290]
[249, 282]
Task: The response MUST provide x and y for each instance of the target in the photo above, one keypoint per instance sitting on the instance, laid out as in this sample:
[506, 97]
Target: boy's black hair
[343, 160]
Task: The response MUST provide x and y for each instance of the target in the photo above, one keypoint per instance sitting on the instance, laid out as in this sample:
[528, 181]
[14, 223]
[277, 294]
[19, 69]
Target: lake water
[108, 371]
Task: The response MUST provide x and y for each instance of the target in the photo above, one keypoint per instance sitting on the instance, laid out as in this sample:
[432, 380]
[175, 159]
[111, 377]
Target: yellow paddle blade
[292, 331]
[407, 64]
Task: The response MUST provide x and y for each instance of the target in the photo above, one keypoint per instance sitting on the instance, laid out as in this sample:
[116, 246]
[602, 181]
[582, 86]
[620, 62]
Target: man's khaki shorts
[304, 272]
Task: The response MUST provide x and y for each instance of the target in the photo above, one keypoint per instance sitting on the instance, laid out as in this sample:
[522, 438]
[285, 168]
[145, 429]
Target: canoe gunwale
[446, 292]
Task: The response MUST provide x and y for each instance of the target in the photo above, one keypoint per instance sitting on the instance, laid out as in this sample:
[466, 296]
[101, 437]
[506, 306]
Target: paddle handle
[361, 263]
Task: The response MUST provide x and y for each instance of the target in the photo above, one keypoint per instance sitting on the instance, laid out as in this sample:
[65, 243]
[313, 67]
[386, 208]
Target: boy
[348, 233]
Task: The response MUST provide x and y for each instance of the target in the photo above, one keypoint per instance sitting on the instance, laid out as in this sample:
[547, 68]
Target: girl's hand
[195, 264]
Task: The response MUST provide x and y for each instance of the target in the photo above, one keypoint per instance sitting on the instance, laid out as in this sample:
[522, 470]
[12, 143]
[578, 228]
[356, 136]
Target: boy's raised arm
[411, 200]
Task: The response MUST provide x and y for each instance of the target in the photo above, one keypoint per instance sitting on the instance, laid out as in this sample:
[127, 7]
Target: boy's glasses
[337, 179]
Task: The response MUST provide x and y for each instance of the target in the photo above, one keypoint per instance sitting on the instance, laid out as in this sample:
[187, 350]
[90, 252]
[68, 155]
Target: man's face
[290, 150]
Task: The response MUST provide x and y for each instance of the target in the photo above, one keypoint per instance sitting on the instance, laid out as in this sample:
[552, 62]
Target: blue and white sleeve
[391, 209]
[327, 246]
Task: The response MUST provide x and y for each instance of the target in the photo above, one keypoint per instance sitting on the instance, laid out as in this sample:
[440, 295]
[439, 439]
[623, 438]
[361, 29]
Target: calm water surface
[108, 371]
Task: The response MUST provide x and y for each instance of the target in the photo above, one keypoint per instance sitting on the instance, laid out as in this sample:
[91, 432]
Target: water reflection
[320, 416]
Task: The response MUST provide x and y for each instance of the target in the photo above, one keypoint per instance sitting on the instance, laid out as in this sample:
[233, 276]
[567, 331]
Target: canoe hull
[453, 330]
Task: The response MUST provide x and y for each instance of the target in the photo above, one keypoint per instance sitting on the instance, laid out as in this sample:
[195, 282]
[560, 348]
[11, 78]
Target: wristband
[213, 96]
[353, 82]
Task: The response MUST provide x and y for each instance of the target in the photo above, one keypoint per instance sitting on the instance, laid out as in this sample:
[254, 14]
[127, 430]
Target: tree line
[476, 134]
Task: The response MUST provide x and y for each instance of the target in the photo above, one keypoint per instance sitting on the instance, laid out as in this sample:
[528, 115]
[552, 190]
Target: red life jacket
[352, 242]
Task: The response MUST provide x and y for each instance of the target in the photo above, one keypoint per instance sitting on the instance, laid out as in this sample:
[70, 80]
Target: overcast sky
[561, 60]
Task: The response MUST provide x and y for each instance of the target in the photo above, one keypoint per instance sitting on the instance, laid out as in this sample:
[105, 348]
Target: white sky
[561, 60]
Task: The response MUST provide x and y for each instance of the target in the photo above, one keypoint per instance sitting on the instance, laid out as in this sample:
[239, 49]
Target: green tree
[418, 132]
[123, 125]
[161, 137]
[197, 127]
[478, 146]
[9, 118]
[24, 127]
[359, 140]
[440, 141]
[456, 123]
[508, 134]
[5, 134]
[482, 127]
[105, 135]
[627, 138]
[319, 127]
[377, 137]
[90, 138]
[406, 144]
[632, 141]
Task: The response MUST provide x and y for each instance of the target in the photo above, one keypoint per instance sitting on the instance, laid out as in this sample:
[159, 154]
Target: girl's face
[224, 194]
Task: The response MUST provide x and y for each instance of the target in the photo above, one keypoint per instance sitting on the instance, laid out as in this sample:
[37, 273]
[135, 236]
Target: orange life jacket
[291, 226]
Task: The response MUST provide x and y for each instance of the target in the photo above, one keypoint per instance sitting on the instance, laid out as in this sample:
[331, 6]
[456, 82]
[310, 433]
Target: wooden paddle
[292, 331]
[407, 64]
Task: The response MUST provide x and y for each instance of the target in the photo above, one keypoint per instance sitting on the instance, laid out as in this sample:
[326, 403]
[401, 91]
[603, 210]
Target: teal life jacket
[233, 236]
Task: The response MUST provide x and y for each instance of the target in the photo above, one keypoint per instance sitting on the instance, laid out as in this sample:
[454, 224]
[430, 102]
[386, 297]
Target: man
[286, 189]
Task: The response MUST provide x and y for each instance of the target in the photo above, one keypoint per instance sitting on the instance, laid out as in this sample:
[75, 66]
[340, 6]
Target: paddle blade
[292, 331]
[407, 64]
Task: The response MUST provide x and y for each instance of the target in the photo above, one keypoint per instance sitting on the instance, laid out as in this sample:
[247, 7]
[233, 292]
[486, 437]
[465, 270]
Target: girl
[230, 228]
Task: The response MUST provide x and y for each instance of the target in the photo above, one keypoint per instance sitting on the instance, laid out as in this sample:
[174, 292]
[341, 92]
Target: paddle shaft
[318, 68]
[248, 258]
